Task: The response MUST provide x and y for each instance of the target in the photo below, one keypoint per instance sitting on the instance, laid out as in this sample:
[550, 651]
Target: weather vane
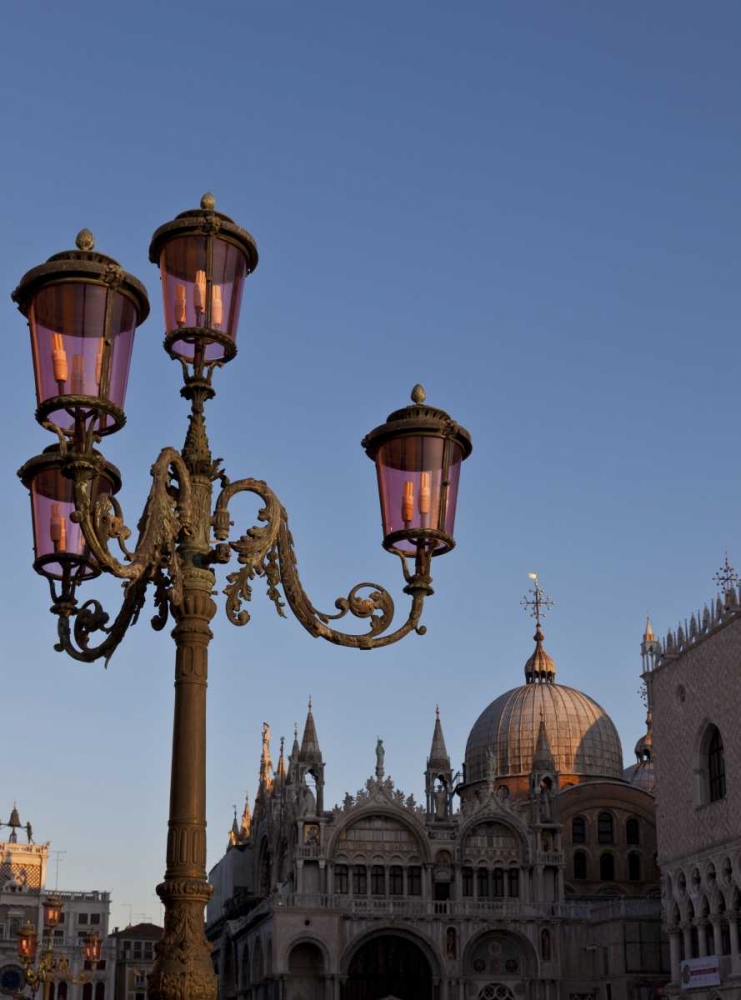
[540, 604]
[726, 578]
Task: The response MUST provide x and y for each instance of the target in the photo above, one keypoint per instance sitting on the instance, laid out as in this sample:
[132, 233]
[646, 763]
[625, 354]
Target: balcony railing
[493, 909]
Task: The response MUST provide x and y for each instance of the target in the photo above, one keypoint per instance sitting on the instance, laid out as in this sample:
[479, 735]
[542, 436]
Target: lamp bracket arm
[269, 551]
[76, 625]
[377, 605]
[167, 514]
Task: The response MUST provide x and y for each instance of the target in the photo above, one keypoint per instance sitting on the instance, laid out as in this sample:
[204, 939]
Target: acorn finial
[418, 394]
[85, 240]
[208, 202]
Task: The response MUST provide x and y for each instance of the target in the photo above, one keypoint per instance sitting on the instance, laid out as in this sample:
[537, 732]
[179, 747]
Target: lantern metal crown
[83, 310]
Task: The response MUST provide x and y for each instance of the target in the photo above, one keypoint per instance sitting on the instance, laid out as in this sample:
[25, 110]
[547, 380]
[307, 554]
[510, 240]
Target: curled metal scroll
[269, 551]
[167, 513]
[76, 626]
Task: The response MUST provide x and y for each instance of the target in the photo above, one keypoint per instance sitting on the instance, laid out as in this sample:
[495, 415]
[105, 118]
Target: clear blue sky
[531, 208]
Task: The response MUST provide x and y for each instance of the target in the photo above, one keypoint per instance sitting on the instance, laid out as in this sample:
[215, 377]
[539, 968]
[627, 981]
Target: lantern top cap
[84, 263]
[204, 221]
[55, 900]
[418, 419]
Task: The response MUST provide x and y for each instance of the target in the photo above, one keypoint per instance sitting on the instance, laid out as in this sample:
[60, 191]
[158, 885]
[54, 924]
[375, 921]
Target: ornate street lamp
[52, 967]
[83, 310]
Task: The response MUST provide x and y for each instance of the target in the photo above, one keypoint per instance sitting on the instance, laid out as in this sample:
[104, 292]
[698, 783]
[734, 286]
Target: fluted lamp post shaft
[83, 310]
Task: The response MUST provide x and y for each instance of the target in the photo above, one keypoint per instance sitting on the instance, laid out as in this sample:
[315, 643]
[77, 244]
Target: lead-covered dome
[583, 738]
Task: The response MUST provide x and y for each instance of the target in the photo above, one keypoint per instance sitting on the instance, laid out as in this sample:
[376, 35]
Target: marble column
[702, 949]
[733, 934]
[674, 952]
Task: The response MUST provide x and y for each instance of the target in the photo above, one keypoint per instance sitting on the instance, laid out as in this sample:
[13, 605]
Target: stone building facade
[515, 881]
[693, 679]
[23, 872]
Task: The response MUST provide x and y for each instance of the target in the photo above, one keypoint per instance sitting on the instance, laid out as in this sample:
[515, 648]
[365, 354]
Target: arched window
[545, 945]
[634, 866]
[607, 867]
[396, 880]
[414, 880]
[709, 939]
[605, 828]
[378, 880]
[482, 886]
[716, 767]
[99, 991]
[359, 880]
[633, 831]
[340, 879]
[62, 991]
[579, 830]
[467, 880]
[87, 992]
[580, 865]
[498, 882]
[513, 883]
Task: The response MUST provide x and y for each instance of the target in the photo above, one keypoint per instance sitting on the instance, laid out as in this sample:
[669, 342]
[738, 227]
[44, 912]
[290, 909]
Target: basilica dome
[580, 735]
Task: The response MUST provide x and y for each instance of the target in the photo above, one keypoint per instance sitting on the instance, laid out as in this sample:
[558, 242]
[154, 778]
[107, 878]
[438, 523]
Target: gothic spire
[280, 774]
[543, 757]
[438, 752]
[310, 751]
[246, 824]
[266, 764]
[648, 635]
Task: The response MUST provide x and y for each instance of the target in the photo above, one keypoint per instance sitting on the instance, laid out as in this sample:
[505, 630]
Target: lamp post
[83, 309]
[52, 967]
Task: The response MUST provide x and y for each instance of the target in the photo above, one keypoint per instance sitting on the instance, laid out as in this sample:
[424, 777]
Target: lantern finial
[418, 394]
[208, 202]
[85, 240]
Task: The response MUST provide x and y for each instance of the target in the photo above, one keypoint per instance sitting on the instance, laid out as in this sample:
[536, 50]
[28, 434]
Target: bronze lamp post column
[83, 310]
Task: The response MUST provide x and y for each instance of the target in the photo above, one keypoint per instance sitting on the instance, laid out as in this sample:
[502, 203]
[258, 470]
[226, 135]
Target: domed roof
[642, 776]
[583, 738]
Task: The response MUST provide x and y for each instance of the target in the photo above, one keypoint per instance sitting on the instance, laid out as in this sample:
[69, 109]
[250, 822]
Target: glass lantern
[418, 454]
[82, 310]
[52, 910]
[28, 940]
[204, 258]
[92, 944]
[61, 552]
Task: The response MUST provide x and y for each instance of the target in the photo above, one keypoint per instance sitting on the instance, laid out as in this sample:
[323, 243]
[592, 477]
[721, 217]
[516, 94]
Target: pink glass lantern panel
[67, 322]
[412, 483]
[52, 503]
[191, 300]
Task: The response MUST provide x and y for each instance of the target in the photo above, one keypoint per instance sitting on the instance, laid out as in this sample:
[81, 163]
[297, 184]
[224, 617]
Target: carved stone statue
[380, 757]
[308, 802]
[441, 801]
[491, 765]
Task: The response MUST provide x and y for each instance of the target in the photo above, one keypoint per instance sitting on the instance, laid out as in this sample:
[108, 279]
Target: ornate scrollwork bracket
[268, 551]
[166, 518]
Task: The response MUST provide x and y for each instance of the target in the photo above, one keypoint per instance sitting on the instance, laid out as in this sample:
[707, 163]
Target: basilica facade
[532, 877]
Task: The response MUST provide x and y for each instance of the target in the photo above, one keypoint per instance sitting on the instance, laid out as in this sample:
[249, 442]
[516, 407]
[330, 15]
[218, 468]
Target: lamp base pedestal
[183, 969]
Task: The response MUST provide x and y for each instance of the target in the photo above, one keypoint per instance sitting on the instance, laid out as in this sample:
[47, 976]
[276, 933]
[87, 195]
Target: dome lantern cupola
[539, 668]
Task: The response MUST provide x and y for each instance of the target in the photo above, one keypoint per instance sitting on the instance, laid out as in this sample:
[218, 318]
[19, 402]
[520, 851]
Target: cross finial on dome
[540, 667]
[540, 603]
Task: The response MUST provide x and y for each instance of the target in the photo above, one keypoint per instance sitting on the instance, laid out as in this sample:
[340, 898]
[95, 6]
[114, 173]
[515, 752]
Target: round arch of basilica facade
[510, 884]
